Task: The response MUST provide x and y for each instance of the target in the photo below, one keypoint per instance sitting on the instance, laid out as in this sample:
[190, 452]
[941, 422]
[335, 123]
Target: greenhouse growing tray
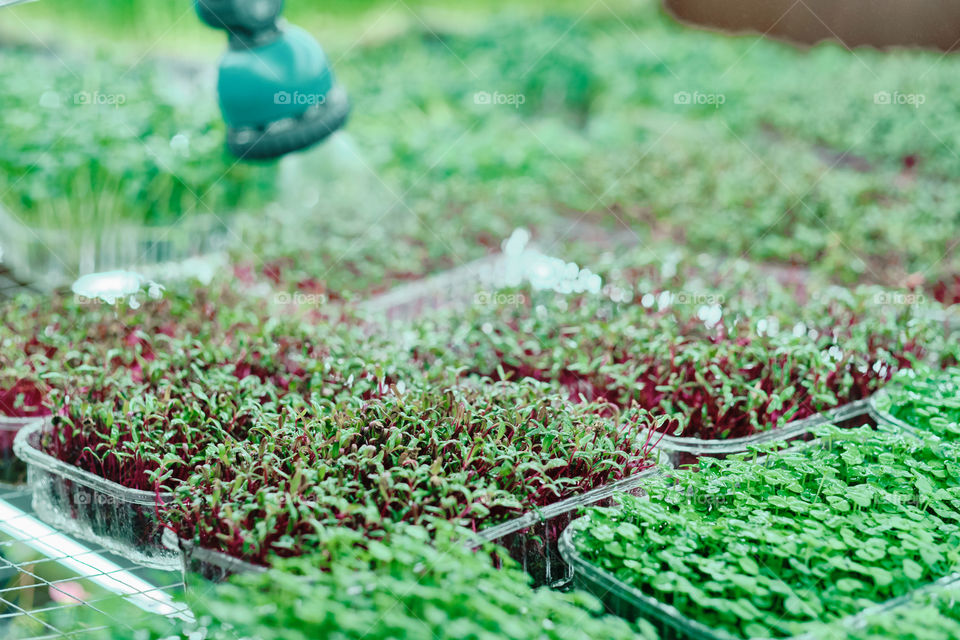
[52, 257]
[531, 539]
[630, 603]
[13, 471]
[121, 520]
[212, 565]
[681, 450]
[455, 288]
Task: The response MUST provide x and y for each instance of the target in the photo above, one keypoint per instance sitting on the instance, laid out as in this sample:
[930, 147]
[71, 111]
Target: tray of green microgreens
[768, 546]
[923, 401]
[420, 581]
[500, 456]
[724, 369]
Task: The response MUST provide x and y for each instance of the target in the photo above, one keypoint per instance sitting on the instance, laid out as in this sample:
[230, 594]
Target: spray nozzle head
[243, 18]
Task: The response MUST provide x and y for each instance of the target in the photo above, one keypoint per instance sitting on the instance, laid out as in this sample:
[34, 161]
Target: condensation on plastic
[13, 471]
[630, 603]
[531, 539]
[681, 450]
[118, 519]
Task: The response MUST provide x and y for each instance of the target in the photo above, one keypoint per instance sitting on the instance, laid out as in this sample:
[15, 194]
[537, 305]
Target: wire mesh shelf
[52, 586]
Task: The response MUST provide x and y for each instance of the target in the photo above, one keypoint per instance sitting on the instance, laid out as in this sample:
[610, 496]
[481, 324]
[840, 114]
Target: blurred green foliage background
[781, 154]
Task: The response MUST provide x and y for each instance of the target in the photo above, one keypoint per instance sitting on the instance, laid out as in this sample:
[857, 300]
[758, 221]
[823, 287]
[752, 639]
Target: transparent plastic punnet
[878, 411]
[212, 565]
[681, 450]
[53, 257]
[630, 603]
[519, 263]
[455, 288]
[118, 519]
[531, 539]
[13, 471]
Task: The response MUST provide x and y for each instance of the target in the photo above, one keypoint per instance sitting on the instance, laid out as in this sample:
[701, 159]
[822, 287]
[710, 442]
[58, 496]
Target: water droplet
[50, 100]
[180, 143]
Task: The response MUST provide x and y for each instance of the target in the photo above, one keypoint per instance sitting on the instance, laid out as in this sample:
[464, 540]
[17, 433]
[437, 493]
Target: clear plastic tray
[13, 471]
[519, 263]
[680, 451]
[212, 565]
[455, 288]
[121, 520]
[885, 417]
[49, 258]
[630, 603]
[531, 539]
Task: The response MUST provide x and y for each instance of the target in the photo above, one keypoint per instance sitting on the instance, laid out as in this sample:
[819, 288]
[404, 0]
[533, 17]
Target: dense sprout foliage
[138, 392]
[765, 547]
[476, 457]
[926, 400]
[66, 341]
[724, 364]
[48, 340]
[418, 583]
[862, 195]
[98, 144]
[270, 431]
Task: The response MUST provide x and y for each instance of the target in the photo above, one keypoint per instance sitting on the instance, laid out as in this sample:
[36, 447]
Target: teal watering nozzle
[277, 91]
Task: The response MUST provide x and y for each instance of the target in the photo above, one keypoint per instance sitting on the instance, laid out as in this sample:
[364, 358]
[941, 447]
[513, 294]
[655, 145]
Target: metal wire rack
[52, 586]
